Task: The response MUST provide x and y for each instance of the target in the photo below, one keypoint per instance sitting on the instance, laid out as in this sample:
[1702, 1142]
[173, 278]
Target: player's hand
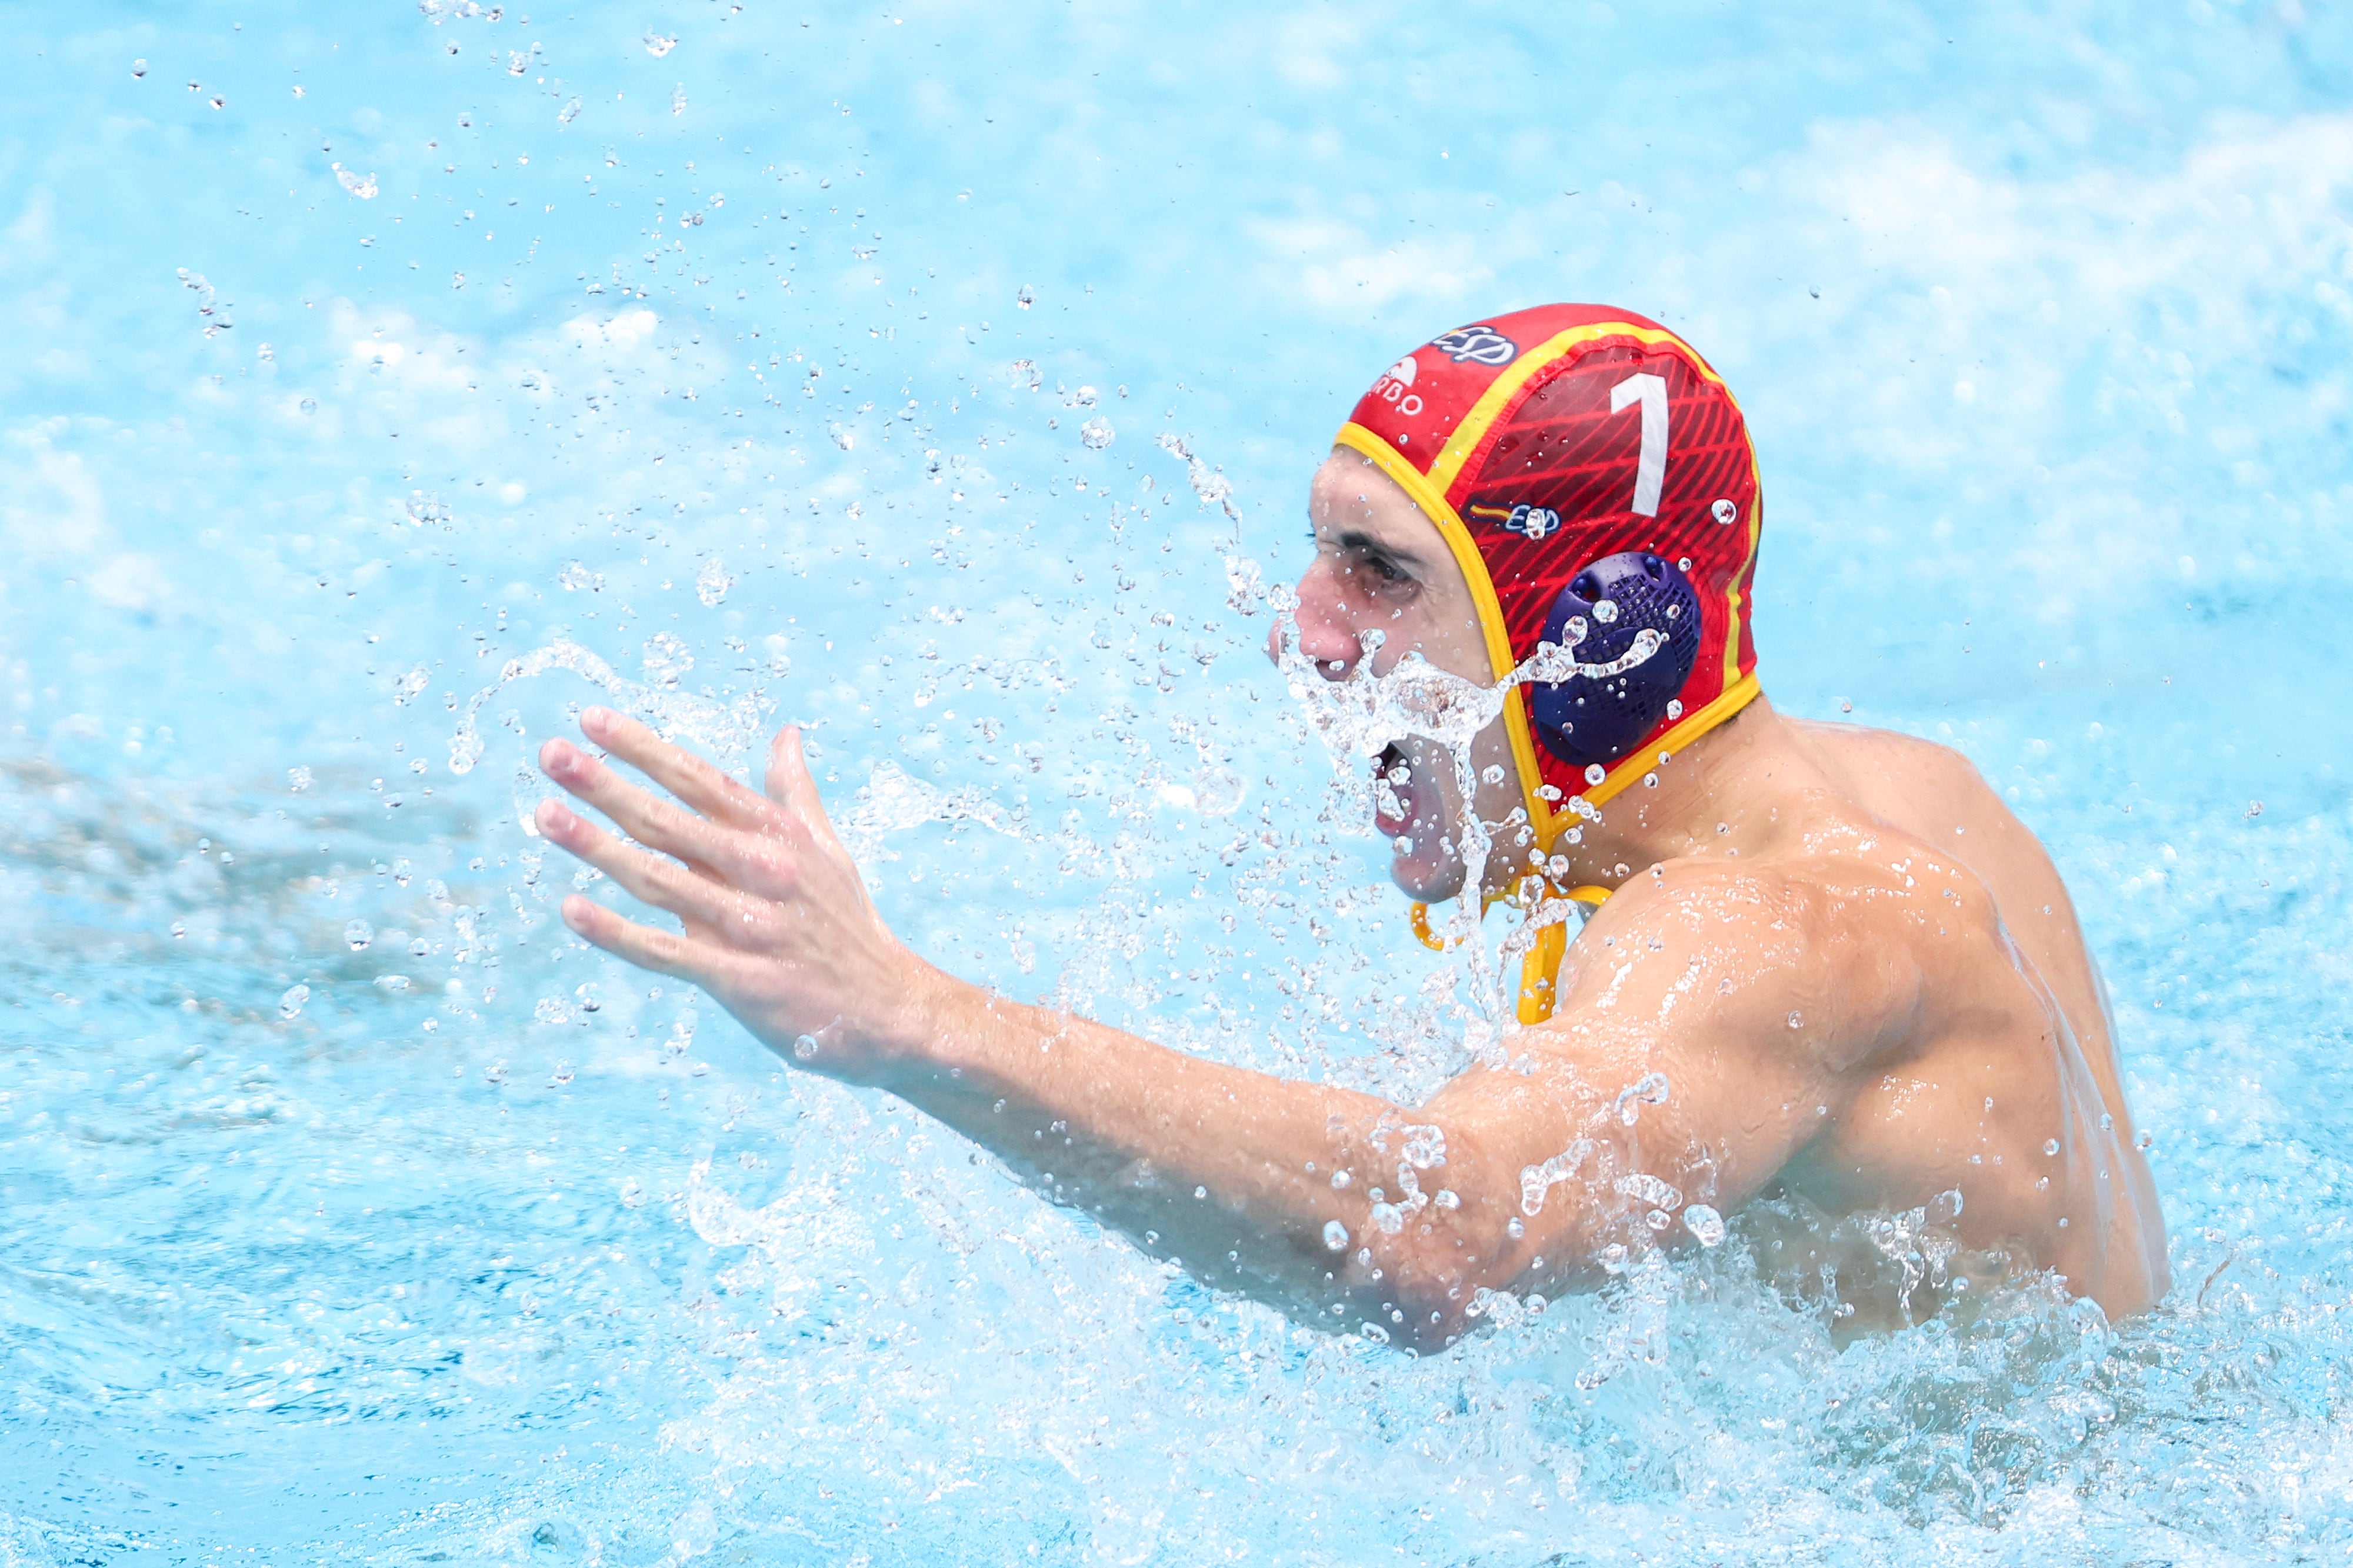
[779, 929]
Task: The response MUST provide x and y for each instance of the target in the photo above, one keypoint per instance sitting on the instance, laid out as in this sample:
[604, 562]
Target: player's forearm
[1239, 1175]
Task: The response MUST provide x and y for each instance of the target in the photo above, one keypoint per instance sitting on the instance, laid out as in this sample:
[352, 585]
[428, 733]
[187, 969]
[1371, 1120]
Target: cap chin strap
[1541, 967]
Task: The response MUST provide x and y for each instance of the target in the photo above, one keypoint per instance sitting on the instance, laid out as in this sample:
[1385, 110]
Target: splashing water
[711, 581]
[1211, 488]
[655, 1305]
[210, 307]
[731, 730]
[1361, 715]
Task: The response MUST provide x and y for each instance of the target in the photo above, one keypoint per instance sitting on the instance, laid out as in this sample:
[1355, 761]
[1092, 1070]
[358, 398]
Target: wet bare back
[2040, 1046]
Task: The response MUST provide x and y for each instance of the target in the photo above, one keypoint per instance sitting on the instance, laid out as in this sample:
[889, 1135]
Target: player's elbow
[1440, 1277]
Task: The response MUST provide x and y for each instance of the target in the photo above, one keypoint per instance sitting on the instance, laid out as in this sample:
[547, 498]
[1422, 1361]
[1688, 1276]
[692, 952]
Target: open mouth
[1392, 786]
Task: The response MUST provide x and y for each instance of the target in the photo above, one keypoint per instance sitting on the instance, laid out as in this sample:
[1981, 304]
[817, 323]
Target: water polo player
[1825, 964]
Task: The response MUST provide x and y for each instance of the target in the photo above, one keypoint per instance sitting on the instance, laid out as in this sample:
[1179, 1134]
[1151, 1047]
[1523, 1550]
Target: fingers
[660, 882]
[704, 787]
[642, 814]
[642, 945]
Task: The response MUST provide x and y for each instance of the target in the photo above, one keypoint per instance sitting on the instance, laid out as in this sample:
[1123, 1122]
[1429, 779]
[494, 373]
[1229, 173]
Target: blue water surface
[912, 372]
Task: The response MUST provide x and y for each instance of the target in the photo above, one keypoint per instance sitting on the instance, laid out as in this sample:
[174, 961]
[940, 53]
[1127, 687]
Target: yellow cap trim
[1735, 696]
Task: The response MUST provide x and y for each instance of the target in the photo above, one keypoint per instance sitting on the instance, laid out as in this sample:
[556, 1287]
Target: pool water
[380, 384]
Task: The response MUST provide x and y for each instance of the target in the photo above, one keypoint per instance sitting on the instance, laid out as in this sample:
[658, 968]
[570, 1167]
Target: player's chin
[1426, 873]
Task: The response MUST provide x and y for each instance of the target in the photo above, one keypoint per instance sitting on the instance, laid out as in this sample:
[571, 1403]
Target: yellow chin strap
[1541, 967]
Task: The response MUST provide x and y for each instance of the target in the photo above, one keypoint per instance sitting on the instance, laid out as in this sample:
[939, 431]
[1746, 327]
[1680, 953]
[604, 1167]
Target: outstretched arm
[1336, 1206]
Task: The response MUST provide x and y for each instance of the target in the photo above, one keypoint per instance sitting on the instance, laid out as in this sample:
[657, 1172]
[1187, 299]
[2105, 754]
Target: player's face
[1381, 565]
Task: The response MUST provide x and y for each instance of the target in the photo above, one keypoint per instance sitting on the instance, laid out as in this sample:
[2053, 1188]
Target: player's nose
[1327, 632]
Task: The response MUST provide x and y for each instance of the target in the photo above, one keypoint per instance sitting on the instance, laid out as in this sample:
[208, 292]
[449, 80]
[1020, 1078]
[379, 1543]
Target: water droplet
[1025, 298]
[1706, 1224]
[1494, 773]
[711, 581]
[292, 1003]
[677, 98]
[1096, 433]
[1200, 1191]
[666, 660]
[658, 45]
[1595, 773]
[1341, 1179]
[393, 983]
[1648, 1189]
[633, 1194]
[1796, 1020]
[1650, 1089]
[361, 186]
[308, 406]
[1675, 707]
[138, 67]
[357, 934]
[298, 780]
[1336, 1235]
[2050, 1145]
[1605, 611]
[1514, 1228]
[2145, 1141]
[805, 1047]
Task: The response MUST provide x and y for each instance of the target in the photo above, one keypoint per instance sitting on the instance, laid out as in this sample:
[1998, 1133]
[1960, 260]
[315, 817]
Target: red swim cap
[1544, 442]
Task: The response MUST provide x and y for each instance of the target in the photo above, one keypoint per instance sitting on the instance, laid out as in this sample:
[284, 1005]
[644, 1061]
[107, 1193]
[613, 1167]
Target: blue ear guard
[1586, 718]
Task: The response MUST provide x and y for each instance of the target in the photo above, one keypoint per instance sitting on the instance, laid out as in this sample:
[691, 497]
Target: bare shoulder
[1810, 951]
[1865, 761]
[1936, 795]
